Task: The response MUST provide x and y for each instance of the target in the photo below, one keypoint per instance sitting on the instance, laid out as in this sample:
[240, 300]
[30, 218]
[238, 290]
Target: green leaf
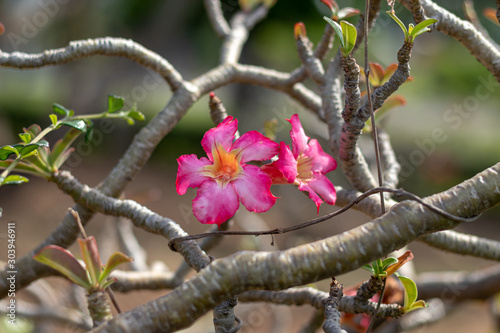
[129, 120]
[115, 103]
[59, 109]
[411, 292]
[422, 27]
[78, 124]
[29, 149]
[90, 254]
[107, 283]
[25, 137]
[369, 268]
[136, 115]
[350, 34]
[6, 151]
[114, 260]
[398, 21]
[337, 28]
[64, 262]
[388, 261]
[53, 119]
[14, 180]
[61, 147]
[1, 211]
[417, 305]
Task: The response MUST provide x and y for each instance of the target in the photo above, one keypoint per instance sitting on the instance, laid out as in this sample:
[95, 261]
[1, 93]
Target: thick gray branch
[452, 241]
[107, 46]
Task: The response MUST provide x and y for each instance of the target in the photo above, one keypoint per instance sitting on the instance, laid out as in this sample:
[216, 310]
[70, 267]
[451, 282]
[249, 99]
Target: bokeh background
[447, 131]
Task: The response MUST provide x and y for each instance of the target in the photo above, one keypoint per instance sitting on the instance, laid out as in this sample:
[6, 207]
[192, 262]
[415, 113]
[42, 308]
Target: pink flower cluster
[224, 178]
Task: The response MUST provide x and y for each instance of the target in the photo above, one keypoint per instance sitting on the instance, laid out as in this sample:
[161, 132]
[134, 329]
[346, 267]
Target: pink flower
[224, 178]
[305, 165]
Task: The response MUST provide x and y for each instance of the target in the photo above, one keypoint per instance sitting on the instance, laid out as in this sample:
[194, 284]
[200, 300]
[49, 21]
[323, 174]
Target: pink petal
[255, 147]
[312, 195]
[215, 204]
[275, 174]
[324, 187]
[283, 170]
[253, 188]
[321, 161]
[188, 174]
[299, 137]
[222, 134]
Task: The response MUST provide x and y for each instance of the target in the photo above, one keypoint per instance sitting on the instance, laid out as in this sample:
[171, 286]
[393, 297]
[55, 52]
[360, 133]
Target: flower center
[304, 165]
[226, 165]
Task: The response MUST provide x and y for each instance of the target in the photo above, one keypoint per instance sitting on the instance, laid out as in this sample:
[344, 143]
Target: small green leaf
[337, 28]
[25, 137]
[422, 27]
[78, 124]
[129, 120]
[64, 262]
[59, 109]
[398, 21]
[6, 151]
[114, 260]
[136, 115]
[53, 119]
[417, 305]
[411, 292]
[90, 254]
[369, 268]
[14, 180]
[28, 150]
[115, 103]
[350, 34]
[388, 261]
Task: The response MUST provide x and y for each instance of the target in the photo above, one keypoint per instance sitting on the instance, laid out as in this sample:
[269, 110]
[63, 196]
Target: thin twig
[78, 222]
[397, 192]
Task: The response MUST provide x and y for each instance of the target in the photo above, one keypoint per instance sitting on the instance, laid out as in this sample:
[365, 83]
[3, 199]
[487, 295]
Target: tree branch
[216, 17]
[464, 244]
[108, 46]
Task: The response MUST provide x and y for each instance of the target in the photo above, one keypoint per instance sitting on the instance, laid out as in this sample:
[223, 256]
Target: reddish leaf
[299, 30]
[64, 262]
[404, 258]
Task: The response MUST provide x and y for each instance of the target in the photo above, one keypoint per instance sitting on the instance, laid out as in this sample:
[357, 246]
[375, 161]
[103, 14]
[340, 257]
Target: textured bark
[332, 314]
[313, 65]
